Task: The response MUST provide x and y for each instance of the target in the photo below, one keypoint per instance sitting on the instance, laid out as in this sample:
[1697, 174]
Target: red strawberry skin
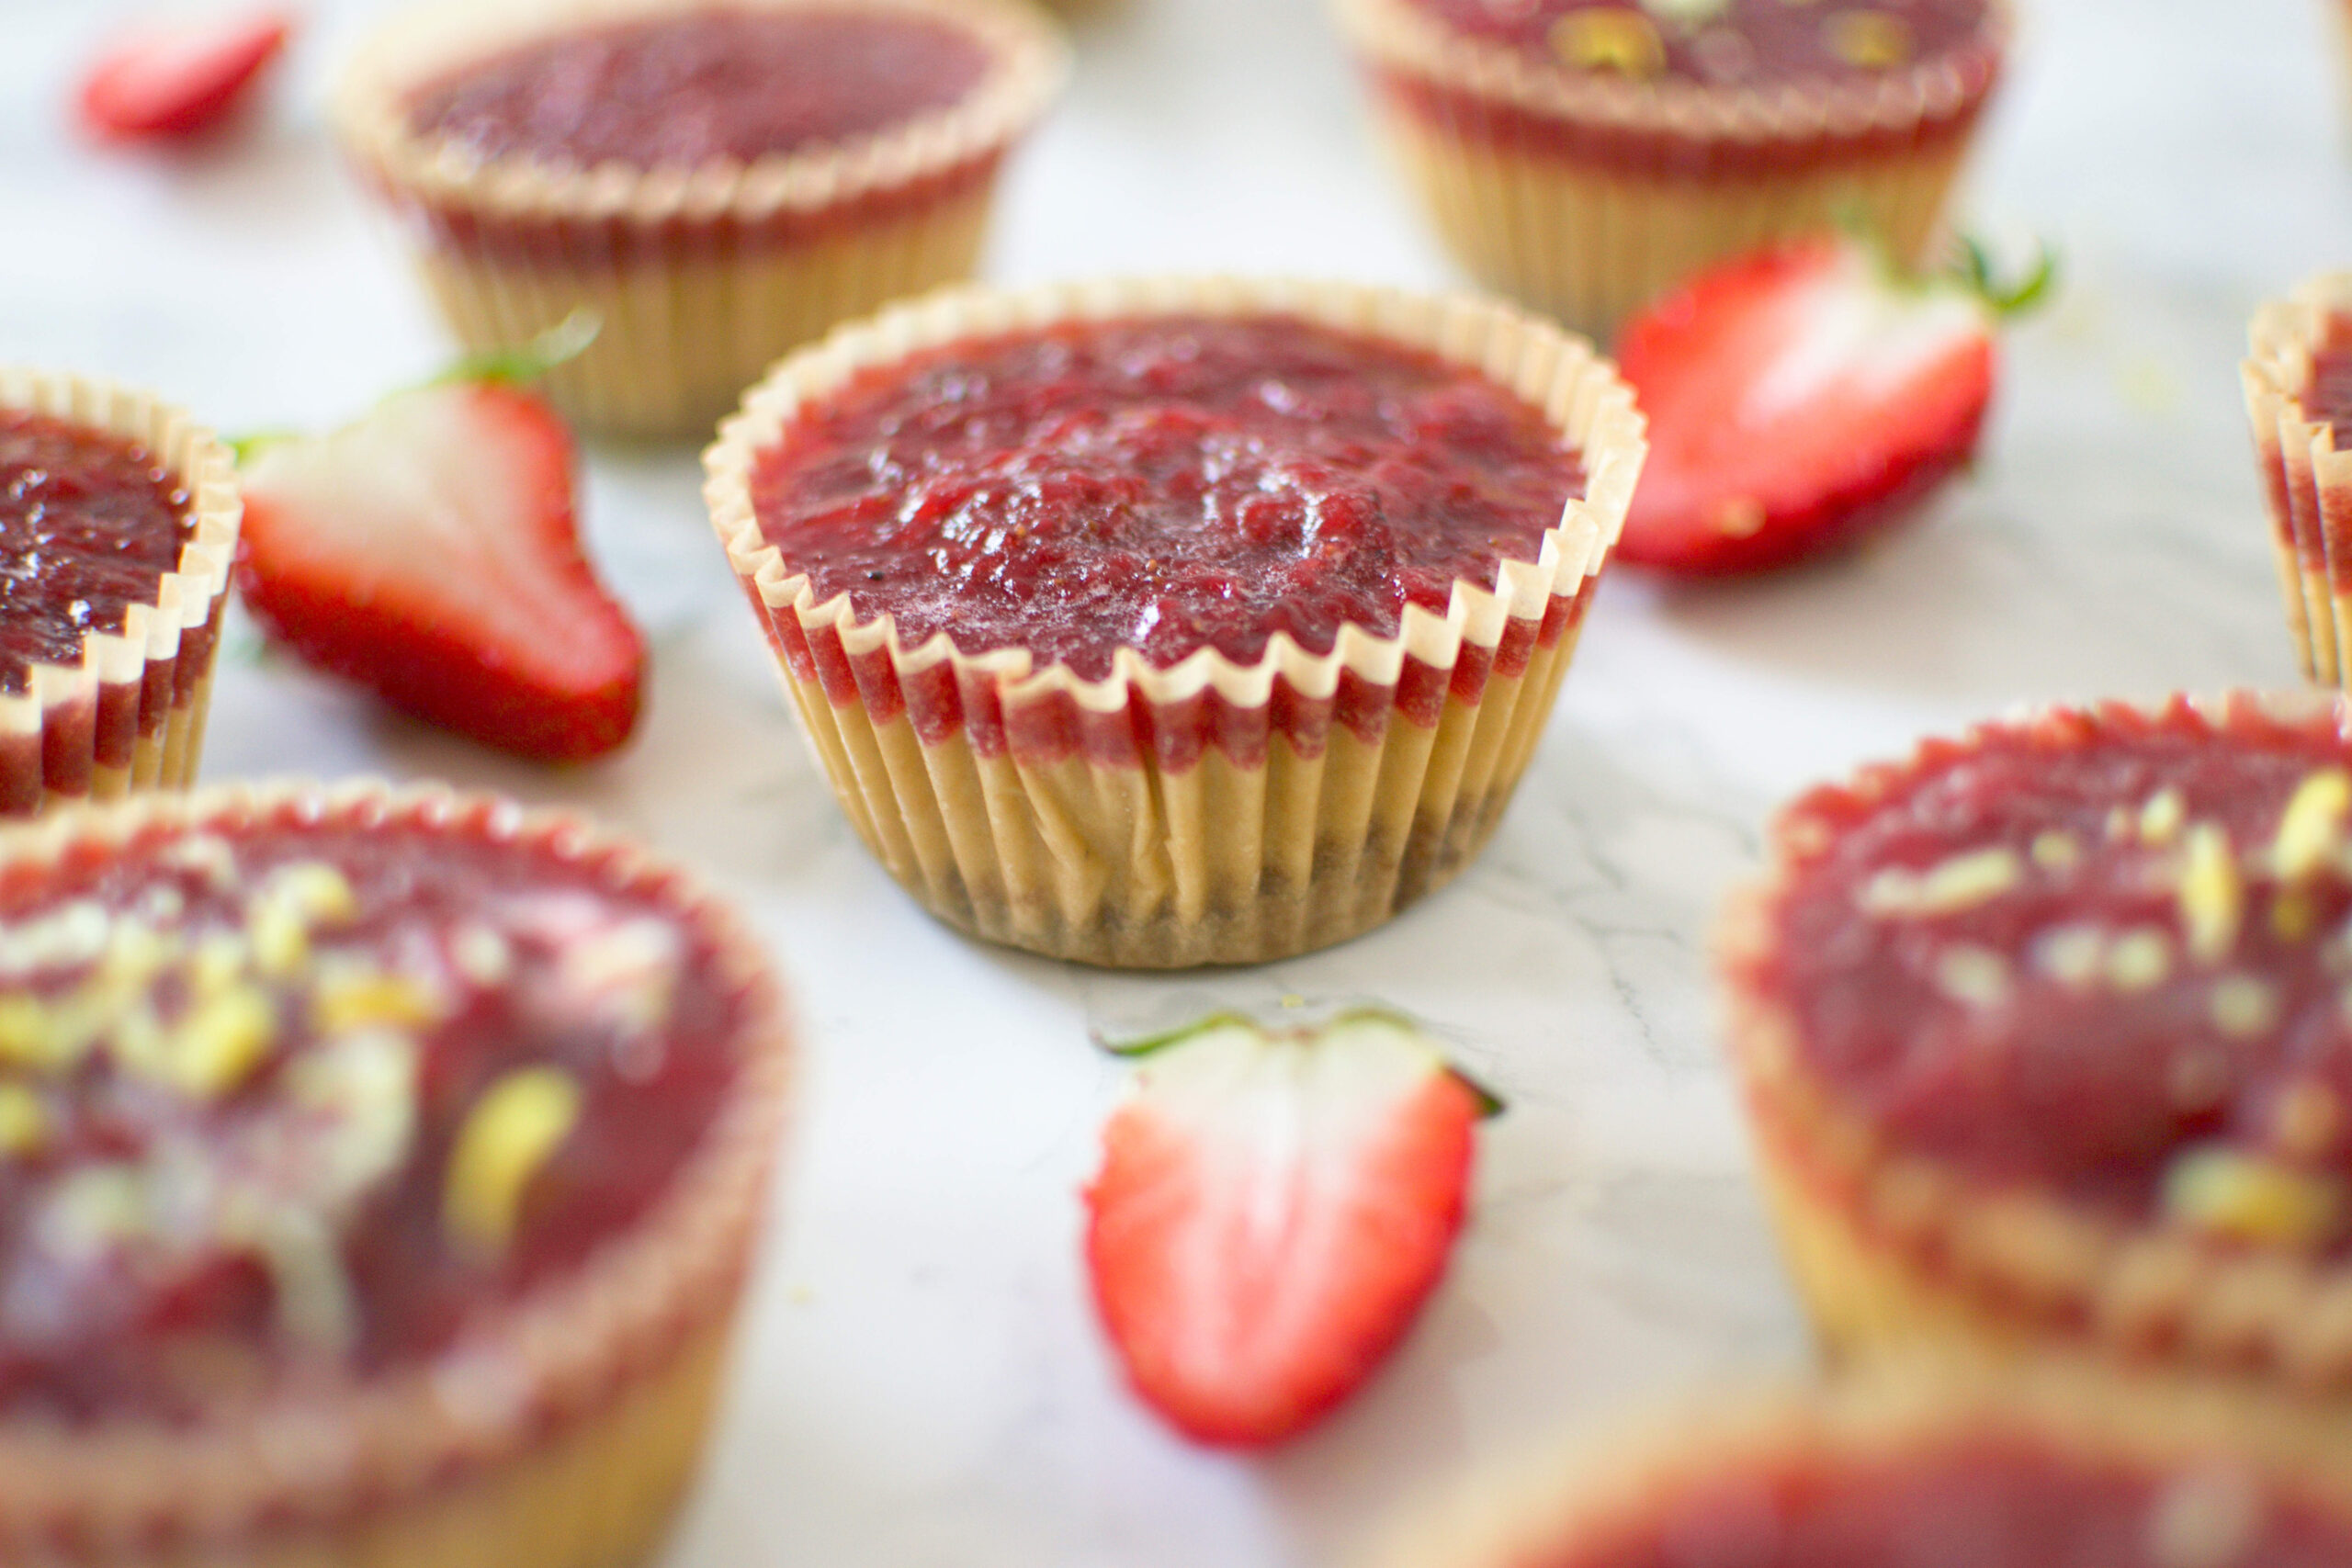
[170, 84]
[1270, 1215]
[430, 553]
[1797, 401]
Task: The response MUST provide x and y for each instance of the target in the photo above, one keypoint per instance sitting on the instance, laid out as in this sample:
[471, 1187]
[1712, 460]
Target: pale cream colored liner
[1141, 866]
[694, 301]
[2306, 483]
[1588, 1489]
[1891, 1249]
[60, 702]
[1588, 240]
[561, 1435]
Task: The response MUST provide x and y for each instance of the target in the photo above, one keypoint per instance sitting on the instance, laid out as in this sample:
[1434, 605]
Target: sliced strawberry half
[1803, 397]
[1272, 1211]
[430, 552]
[171, 82]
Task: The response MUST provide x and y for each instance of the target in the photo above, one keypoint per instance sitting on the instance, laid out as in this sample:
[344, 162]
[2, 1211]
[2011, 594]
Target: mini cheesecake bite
[1925, 1466]
[1162, 625]
[1584, 155]
[717, 182]
[2049, 1033]
[341, 1113]
[117, 521]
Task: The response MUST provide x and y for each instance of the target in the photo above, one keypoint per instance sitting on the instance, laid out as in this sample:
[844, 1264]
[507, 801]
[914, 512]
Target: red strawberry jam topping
[303, 1094]
[1164, 484]
[89, 525]
[1990, 1501]
[2108, 957]
[1725, 43]
[702, 86]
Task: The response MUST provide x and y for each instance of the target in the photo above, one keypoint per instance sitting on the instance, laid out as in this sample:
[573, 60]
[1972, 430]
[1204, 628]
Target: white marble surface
[920, 1381]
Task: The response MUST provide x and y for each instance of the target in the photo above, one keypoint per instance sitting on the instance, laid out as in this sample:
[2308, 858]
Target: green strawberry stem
[2006, 299]
[559, 344]
[1490, 1104]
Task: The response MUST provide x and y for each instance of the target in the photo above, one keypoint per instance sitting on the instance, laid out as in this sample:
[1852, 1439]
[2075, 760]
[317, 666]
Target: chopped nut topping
[2212, 897]
[1870, 40]
[1609, 39]
[2140, 957]
[1976, 977]
[2055, 850]
[2311, 833]
[1961, 883]
[24, 1121]
[2162, 819]
[297, 899]
[2070, 954]
[481, 955]
[1686, 15]
[511, 1131]
[2293, 916]
[364, 997]
[207, 854]
[222, 1042]
[2244, 1007]
[2245, 1197]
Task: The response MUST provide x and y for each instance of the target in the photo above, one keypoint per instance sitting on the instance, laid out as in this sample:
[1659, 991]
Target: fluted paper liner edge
[894, 795]
[185, 599]
[1890, 1247]
[570, 1383]
[2307, 483]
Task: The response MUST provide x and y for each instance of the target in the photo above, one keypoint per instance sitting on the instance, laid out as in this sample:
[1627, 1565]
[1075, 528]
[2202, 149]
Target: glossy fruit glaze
[2105, 956]
[1993, 1501]
[1725, 43]
[235, 1071]
[1164, 484]
[697, 86]
[89, 525]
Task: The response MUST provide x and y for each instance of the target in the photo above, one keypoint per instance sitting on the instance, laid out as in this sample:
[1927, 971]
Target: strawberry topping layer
[2108, 957]
[298, 1098]
[1726, 43]
[89, 525]
[1990, 1501]
[702, 86]
[1164, 484]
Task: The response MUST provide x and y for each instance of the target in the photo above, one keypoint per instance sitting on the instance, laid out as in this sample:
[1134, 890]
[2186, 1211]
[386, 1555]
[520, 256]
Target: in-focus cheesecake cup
[1584, 155]
[715, 182]
[380, 1168]
[119, 520]
[1937, 1463]
[1131, 718]
[2297, 378]
[2047, 1041]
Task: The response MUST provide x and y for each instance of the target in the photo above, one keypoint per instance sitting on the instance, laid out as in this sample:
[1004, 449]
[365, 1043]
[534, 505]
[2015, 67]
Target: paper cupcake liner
[130, 715]
[1585, 196]
[1209, 812]
[559, 1435]
[700, 277]
[1591, 1489]
[2306, 483]
[1892, 1248]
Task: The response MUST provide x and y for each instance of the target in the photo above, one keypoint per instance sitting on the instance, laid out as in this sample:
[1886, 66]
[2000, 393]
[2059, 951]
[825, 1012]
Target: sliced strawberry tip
[430, 553]
[1272, 1212]
[170, 83]
[1798, 399]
